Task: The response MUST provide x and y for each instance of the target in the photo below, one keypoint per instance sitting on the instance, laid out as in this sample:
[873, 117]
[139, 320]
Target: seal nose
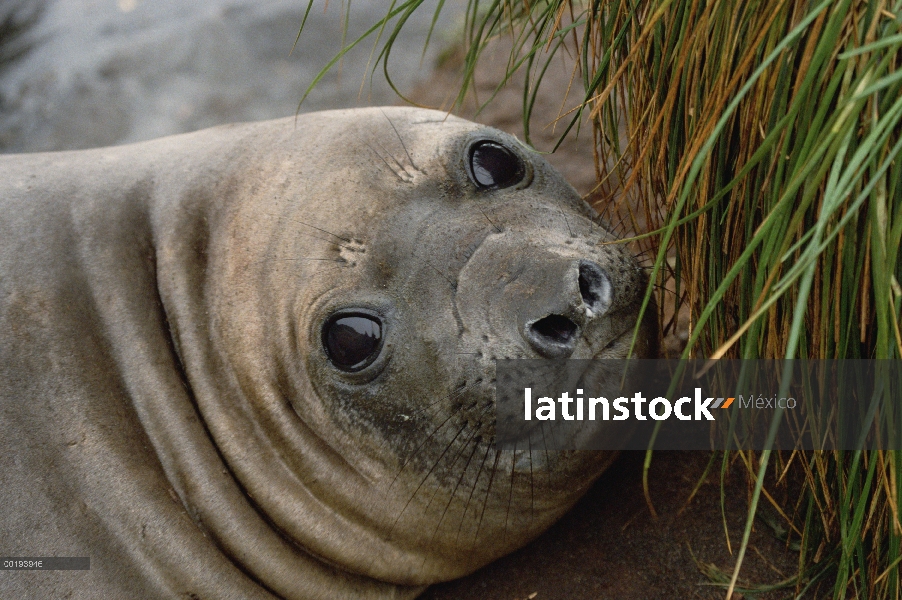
[555, 335]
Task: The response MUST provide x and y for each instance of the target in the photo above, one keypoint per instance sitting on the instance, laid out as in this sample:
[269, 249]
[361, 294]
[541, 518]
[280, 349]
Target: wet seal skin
[256, 361]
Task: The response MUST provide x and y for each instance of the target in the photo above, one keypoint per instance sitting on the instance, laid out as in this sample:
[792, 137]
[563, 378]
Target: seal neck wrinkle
[200, 430]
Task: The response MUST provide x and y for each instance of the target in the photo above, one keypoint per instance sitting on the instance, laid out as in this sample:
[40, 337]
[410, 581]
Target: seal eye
[494, 167]
[352, 341]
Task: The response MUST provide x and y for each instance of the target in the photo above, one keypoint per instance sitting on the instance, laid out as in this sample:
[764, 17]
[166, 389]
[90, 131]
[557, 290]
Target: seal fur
[169, 409]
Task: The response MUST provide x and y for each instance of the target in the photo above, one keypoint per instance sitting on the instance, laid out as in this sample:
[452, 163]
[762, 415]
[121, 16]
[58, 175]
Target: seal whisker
[459, 453]
[345, 246]
[445, 277]
[387, 164]
[510, 496]
[438, 460]
[463, 515]
[460, 390]
[301, 259]
[601, 223]
[488, 491]
[425, 441]
[532, 491]
[494, 226]
[547, 457]
[456, 456]
[344, 239]
[403, 145]
[566, 222]
[401, 167]
[605, 213]
[618, 226]
[425, 478]
[454, 491]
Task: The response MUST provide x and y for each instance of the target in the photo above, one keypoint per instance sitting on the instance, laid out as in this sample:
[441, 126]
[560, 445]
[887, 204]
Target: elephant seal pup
[256, 361]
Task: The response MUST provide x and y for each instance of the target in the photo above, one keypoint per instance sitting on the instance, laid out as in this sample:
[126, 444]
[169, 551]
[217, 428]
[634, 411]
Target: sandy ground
[610, 547]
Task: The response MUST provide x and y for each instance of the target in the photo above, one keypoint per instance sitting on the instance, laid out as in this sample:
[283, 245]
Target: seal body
[256, 361]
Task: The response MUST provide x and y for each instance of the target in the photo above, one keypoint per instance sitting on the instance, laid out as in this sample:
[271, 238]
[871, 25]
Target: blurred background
[84, 73]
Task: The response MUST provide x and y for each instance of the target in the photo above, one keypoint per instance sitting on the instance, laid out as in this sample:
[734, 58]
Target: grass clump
[757, 146]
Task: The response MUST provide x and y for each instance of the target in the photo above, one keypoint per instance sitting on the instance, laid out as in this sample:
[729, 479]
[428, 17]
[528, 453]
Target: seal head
[297, 325]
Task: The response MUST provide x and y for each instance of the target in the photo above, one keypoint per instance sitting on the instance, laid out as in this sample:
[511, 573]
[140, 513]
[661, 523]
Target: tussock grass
[760, 142]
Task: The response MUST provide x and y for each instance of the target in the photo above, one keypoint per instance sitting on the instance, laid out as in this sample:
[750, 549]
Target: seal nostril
[594, 287]
[553, 336]
[555, 328]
